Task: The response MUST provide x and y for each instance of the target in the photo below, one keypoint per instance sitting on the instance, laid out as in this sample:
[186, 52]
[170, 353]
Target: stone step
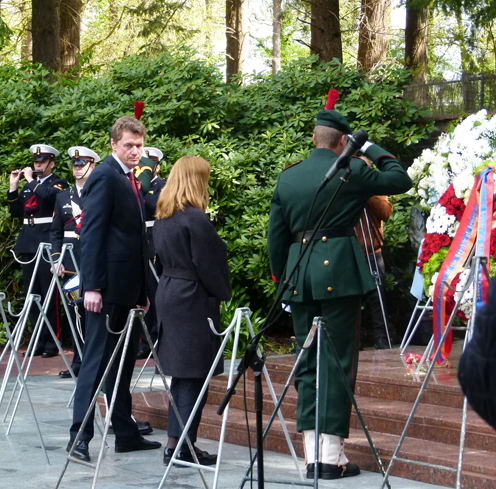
[400, 387]
[479, 466]
[431, 422]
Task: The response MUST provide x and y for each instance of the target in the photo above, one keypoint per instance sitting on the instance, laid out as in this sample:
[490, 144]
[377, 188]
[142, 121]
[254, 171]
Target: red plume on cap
[138, 109]
[332, 98]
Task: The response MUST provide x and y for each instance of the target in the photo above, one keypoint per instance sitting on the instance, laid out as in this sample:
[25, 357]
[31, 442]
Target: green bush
[249, 133]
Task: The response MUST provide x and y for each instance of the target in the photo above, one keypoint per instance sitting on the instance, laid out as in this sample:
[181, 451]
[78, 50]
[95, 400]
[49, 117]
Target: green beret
[332, 118]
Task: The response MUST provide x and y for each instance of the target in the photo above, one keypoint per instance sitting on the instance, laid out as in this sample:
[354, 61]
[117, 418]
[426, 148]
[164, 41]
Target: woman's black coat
[195, 278]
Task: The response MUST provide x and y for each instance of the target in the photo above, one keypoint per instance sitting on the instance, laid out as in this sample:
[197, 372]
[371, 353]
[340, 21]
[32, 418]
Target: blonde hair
[187, 184]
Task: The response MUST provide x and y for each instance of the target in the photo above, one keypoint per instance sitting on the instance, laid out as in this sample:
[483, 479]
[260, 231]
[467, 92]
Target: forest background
[69, 68]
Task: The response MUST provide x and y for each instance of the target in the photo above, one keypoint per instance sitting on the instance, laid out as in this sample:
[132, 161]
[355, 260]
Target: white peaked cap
[80, 151]
[149, 152]
[43, 150]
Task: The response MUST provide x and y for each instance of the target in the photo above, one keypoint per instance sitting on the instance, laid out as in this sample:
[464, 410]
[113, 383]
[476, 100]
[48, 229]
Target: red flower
[451, 209]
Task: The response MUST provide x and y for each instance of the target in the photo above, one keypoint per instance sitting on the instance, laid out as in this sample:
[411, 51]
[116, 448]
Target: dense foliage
[249, 133]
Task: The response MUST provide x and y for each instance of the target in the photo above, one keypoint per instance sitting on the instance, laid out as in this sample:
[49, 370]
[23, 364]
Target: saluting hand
[93, 301]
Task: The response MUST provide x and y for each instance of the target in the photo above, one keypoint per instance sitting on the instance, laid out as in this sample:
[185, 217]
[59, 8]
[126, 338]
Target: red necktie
[130, 175]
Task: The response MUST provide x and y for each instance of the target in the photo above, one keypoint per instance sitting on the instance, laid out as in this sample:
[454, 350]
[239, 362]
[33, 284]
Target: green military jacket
[333, 267]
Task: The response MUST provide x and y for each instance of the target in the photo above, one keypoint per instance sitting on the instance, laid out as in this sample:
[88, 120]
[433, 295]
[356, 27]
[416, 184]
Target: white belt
[37, 220]
[149, 224]
[70, 234]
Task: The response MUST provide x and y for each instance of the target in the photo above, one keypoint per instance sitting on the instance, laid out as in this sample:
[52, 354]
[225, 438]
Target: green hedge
[249, 132]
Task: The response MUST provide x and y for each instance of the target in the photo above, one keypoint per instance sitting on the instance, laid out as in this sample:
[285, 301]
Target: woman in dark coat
[194, 280]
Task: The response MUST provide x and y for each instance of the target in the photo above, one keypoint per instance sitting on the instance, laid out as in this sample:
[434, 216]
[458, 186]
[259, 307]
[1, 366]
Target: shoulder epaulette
[291, 166]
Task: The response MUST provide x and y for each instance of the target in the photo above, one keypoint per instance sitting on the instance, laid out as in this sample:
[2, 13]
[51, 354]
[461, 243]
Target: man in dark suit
[332, 277]
[114, 270]
[66, 217]
[35, 204]
[150, 199]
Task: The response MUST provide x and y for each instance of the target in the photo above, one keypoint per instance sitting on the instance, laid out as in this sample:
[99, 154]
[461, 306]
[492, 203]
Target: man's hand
[61, 270]
[93, 301]
[28, 173]
[14, 180]
[146, 307]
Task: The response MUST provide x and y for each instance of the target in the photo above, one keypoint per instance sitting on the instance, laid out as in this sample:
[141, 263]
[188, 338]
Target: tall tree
[276, 36]
[326, 30]
[70, 33]
[416, 36]
[45, 32]
[237, 16]
[372, 34]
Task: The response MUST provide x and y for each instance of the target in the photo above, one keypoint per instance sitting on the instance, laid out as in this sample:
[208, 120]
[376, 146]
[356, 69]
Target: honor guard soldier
[35, 206]
[66, 218]
[332, 277]
[150, 199]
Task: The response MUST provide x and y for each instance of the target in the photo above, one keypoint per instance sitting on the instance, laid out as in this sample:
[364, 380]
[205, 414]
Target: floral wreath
[449, 170]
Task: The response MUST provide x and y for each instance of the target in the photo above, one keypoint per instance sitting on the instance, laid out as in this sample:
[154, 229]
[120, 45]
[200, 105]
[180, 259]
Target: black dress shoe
[144, 427]
[81, 451]
[65, 374]
[204, 458]
[137, 444]
[331, 472]
[38, 351]
[49, 353]
[143, 353]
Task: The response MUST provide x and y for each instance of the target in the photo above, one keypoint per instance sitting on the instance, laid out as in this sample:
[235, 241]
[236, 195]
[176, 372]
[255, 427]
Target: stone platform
[385, 392]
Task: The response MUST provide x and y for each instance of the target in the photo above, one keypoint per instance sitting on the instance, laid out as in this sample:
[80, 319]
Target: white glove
[366, 146]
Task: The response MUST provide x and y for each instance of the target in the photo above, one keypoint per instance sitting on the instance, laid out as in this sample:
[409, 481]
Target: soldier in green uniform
[332, 277]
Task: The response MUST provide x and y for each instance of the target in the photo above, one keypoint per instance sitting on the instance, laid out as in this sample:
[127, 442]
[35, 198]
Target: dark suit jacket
[31, 236]
[114, 254]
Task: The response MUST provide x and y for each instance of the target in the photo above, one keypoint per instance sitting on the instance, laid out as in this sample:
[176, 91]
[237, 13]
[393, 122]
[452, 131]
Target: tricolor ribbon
[474, 230]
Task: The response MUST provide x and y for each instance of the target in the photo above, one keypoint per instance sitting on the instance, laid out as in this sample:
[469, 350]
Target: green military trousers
[343, 325]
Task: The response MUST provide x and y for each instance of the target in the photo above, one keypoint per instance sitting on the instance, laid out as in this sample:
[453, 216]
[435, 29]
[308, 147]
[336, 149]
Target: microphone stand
[256, 362]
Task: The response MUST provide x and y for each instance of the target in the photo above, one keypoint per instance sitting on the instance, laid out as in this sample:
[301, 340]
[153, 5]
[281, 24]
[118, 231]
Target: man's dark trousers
[101, 344]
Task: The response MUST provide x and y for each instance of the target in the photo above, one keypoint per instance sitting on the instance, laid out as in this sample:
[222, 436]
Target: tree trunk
[70, 33]
[237, 17]
[27, 37]
[372, 36]
[45, 32]
[276, 36]
[416, 35]
[325, 30]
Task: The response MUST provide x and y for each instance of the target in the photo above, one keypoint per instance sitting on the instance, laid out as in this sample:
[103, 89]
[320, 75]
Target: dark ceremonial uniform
[150, 200]
[333, 274]
[195, 278]
[114, 260]
[37, 222]
[67, 212]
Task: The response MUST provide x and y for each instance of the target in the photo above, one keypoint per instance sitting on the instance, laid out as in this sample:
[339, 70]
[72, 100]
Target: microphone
[355, 142]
